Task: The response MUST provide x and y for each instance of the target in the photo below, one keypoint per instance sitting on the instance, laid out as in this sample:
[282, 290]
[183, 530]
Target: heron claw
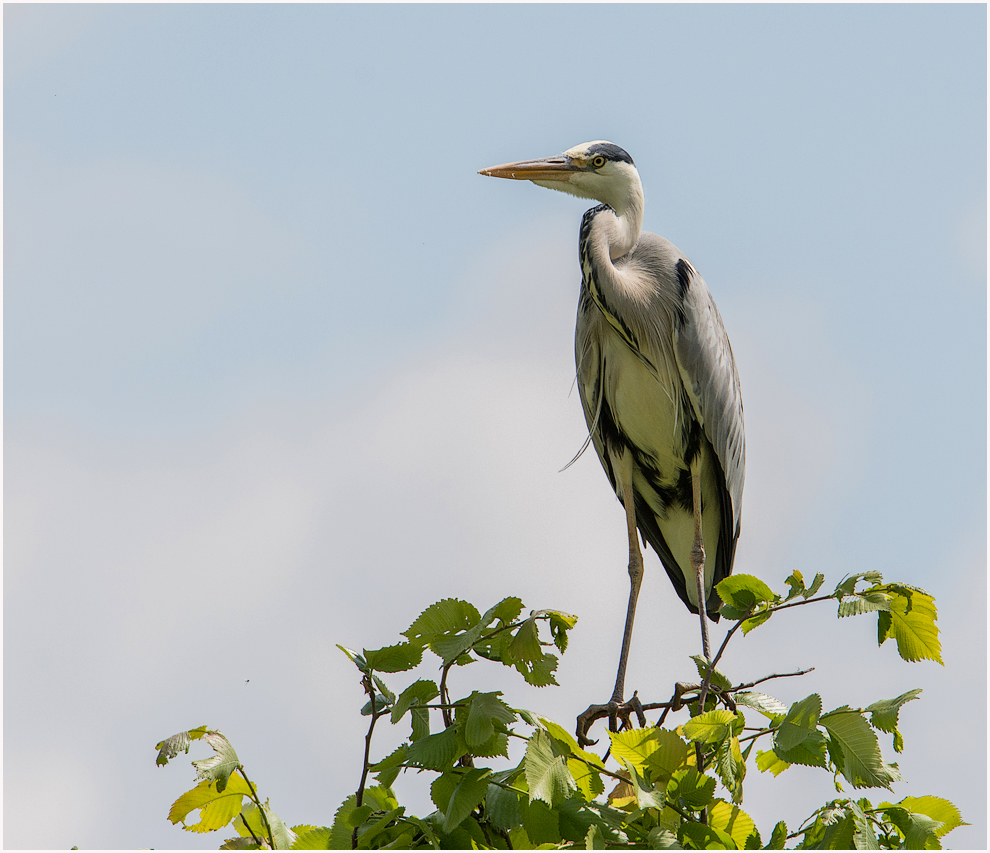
[615, 711]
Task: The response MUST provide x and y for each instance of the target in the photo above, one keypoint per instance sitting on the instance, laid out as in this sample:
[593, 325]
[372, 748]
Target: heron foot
[616, 711]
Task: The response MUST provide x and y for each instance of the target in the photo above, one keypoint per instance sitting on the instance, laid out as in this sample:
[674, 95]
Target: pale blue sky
[274, 351]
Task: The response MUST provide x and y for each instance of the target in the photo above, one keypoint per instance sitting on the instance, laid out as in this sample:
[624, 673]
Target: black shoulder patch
[612, 152]
[683, 278]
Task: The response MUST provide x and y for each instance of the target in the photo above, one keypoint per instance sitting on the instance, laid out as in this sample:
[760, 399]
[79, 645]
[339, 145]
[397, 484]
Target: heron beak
[547, 169]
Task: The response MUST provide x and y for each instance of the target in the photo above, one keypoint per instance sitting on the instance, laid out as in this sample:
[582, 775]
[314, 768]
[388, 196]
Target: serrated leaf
[731, 820]
[447, 617]
[560, 624]
[397, 658]
[816, 585]
[484, 708]
[694, 788]
[730, 767]
[540, 673]
[525, 645]
[937, 809]
[418, 693]
[560, 734]
[756, 621]
[506, 611]
[867, 602]
[796, 583]
[769, 760]
[744, 591]
[647, 797]
[469, 792]
[540, 822]
[381, 704]
[883, 715]
[911, 622]
[799, 722]
[354, 657]
[766, 705]
[315, 838]
[719, 679]
[919, 830]
[546, 770]
[588, 779]
[217, 808]
[710, 727]
[671, 754]
[811, 752]
[283, 837]
[435, 752]
[172, 746]
[218, 767]
[634, 745]
[388, 768]
[859, 759]
[502, 808]
[703, 837]
[778, 838]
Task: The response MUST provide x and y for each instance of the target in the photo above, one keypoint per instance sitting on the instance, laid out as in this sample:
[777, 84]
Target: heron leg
[635, 573]
[698, 556]
[616, 708]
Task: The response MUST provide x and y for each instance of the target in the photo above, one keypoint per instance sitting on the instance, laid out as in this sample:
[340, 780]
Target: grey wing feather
[708, 370]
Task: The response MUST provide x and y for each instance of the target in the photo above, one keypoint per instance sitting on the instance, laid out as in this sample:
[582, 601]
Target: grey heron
[658, 384]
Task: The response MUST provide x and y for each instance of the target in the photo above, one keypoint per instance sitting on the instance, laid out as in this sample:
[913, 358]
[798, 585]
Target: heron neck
[615, 229]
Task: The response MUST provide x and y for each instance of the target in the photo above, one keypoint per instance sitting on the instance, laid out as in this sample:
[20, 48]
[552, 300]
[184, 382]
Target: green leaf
[866, 602]
[703, 837]
[694, 788]
[546, 770]
[417, 693]
[816, 585]
[744, 592]
[730, 767]
[218, 767]
[484, 708]
[858, 755]
[769, 760]
[283, 837]
[172, 746]
[883, 715]
[796, 583]
[388, 768]
[355, 658]
[381, 704]
[316, 838]
[710, 727]
[588, 779]
[634, 745]
[799, 722]
[525, 645]
[731, 820]
[445, 617]
[756, 621]
[594, 840]
[540, 673]
[217, 808]
[647, 797]
[671, 754]
[911, 622]
[935, 808]
[560, 734]
[470, 791]
[502, 808]
[540, 822]
[766, 705]
[778, 838]
[397, 658]
[718, 678]
[560, 624]
[811, 752]
[506, 611]
[435, 752]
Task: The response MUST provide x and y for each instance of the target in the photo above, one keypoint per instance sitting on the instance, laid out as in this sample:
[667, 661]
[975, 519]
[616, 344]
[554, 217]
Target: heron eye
[598, 162]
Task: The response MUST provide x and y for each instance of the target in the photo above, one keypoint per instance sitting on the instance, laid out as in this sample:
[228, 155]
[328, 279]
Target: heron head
[599, 170]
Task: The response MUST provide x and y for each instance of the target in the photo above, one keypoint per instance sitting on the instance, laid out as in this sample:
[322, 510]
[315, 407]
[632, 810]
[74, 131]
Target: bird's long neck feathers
[610, 232]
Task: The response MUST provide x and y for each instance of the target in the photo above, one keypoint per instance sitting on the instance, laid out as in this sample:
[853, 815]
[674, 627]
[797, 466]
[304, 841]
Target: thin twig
[257, 802]
[359, 799]
[768, 678]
